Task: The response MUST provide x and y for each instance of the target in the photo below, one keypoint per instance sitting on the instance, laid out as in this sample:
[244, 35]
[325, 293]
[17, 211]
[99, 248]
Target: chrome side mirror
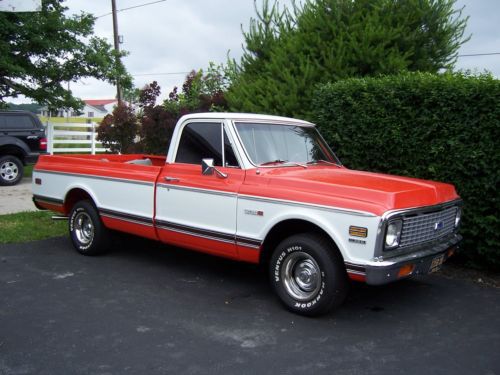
[208, 168]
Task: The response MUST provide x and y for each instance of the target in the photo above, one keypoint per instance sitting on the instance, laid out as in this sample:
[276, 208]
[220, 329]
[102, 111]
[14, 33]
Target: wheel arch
[13, 150]
[74, 195]
[288, 227]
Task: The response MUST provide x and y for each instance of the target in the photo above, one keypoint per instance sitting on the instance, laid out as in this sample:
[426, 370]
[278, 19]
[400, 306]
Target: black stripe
[249, 241]
[50, 200]
[125, 216]
[185, 228]
[218, 236]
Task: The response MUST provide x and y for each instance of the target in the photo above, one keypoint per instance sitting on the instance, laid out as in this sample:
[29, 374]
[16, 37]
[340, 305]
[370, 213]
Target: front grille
[427, 226]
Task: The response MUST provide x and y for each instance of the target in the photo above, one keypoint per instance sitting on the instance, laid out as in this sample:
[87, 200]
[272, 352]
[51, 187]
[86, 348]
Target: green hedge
[438, 127]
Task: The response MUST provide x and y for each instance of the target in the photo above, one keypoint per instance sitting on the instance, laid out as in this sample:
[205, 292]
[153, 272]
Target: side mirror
[208, 169]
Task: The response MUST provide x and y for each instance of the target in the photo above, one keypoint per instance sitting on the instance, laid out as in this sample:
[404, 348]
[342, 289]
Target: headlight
[393, 234]
[458, 217]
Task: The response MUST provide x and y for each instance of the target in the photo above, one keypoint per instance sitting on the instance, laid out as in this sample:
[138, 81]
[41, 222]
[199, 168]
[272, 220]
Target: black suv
[22, 140]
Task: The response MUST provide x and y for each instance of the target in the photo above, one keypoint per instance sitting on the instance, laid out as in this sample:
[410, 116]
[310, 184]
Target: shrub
[200, 93]
[118, 130]
[439, 127]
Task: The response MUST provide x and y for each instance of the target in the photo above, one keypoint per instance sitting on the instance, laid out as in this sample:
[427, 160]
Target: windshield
[272, 143]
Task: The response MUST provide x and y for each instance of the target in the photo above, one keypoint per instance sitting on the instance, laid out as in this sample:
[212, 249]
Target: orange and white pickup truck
[259, 189]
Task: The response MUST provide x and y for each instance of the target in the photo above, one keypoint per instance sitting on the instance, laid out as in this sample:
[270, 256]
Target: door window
[204, 140]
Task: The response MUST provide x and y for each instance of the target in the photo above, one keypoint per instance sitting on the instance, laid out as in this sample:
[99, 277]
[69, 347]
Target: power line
[132, 7]
[159, 74]
[480, 54]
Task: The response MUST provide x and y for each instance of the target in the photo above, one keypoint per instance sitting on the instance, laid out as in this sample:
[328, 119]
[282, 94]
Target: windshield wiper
[279, 161]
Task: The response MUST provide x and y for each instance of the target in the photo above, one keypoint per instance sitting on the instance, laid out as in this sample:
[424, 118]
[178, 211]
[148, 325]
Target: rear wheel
[11, 170]
[308, 274]
[88, 234]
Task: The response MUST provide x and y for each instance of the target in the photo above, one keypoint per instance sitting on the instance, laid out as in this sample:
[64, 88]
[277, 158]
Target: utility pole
[117, 48]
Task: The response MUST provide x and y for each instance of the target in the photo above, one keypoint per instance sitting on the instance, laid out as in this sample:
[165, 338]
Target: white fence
[61, 137]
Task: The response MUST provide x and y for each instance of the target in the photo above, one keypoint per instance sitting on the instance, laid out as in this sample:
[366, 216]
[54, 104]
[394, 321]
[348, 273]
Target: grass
[30, 226]
[28, 170]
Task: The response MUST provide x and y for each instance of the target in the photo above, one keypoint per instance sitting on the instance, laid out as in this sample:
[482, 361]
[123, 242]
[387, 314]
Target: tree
[40, 52]
[288, 52]
[118, 130]
[32, 107]
[201, 92]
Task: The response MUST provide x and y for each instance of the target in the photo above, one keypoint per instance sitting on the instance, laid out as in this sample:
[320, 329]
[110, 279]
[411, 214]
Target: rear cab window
[16, 122]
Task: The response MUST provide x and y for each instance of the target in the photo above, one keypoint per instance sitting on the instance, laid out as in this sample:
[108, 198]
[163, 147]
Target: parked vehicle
[22, 140]
[260, 189]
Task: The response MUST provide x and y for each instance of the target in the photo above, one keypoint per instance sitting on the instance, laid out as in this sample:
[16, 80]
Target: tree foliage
[201, 92]
[154, 125]
[118, 130]
[288, 52]
[438, 127]
[40, 52]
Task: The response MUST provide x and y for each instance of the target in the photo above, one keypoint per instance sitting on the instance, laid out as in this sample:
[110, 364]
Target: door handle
[172, 179]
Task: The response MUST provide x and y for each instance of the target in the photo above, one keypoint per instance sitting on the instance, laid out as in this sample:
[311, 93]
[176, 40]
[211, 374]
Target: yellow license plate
[436, 263]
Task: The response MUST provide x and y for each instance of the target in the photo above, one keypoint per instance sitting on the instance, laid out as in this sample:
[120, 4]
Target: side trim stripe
[308, 205]
[84, 175]
[197, 190]
[213, 235]
[216, 192]
[192, 231]
[50, 200]
[127, 217]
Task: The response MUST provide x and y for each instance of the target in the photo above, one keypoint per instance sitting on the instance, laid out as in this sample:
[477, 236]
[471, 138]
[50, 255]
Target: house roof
[100, 108]
[97, 102]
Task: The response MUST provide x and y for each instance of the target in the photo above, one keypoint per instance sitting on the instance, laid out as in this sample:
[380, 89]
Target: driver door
[195, 210]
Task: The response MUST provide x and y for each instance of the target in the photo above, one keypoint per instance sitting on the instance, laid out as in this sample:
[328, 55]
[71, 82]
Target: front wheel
[308, 274]
[88, 234]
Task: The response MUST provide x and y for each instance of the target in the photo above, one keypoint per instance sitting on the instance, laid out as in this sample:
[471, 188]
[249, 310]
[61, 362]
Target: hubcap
[9, 171]
[301, 276]
[83, 228]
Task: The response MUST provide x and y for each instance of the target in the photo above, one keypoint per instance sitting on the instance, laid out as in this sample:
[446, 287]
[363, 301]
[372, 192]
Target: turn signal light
[358, 231]
[406, 270]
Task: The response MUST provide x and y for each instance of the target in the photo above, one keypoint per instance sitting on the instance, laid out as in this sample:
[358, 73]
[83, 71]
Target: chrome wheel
[301, 276]
[9, 171]
[83, 228]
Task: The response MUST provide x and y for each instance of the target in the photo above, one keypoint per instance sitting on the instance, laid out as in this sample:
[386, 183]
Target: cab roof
[247, 117]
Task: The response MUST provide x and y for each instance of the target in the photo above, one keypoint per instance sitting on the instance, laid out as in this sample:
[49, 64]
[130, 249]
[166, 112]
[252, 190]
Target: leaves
[40, 52]
[118, 130]
[201, 92]
[287, 53]
[438, 127]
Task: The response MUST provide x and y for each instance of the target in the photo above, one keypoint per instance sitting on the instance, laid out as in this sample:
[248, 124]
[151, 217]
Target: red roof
[99, 101]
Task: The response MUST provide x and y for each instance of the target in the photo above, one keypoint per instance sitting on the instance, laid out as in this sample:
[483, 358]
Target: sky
[174, 36]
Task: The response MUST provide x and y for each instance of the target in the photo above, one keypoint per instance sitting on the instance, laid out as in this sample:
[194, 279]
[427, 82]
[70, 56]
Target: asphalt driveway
[149, 309]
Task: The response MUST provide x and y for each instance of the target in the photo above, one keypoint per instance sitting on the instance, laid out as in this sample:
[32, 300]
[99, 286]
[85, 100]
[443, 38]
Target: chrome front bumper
[388, 269]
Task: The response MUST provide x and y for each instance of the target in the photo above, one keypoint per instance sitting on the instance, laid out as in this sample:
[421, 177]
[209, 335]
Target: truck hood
[355, 190]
